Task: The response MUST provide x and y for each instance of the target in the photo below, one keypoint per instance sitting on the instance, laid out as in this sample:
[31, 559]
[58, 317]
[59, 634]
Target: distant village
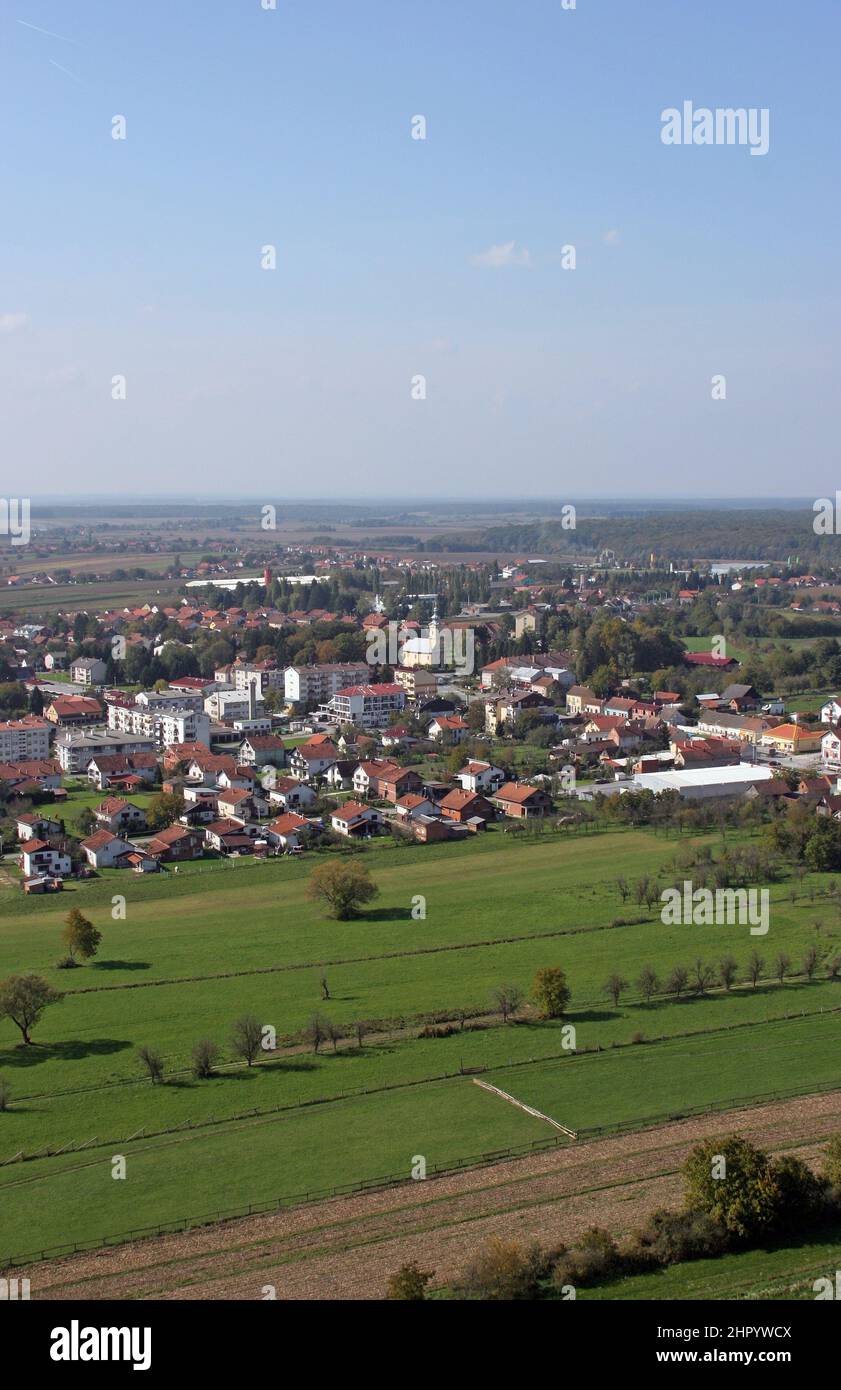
[416, 735]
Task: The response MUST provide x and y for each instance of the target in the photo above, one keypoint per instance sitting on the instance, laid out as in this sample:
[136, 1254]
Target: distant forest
[681, 536]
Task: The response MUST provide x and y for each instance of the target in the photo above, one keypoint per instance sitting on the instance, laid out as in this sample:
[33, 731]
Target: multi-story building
[88, 670]
[74, 750]
[368, 706]
[262, 673]
[416, 681]
[228, 705]
[165, 724]
[318, 684]
[24, 739]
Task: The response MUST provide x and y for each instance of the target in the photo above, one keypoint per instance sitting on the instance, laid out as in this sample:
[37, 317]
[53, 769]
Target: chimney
[252, 697]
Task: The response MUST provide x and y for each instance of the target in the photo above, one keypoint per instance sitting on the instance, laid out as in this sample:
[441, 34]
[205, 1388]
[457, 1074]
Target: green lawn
[198, 949]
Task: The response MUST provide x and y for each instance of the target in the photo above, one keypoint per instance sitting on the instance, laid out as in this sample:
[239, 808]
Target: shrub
[668, 1237]
[595, 1258]
[409, 1283]
[504, 1271]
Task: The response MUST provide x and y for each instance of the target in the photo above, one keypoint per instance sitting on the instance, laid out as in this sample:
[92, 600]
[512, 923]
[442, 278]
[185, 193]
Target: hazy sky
[399, 257]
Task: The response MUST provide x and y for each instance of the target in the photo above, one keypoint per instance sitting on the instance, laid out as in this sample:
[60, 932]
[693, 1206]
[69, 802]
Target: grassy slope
[256, 918]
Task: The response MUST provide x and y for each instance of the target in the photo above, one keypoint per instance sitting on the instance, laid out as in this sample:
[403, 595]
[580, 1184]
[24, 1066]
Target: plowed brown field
[346, 1248]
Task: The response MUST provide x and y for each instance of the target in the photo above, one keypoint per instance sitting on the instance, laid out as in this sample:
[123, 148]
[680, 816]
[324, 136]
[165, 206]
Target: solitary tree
[325, 988]
[80, 936]
[755, 967]
[703, 976]
[648, 983]
[23, 999]
[727, 968]
[153, 1062]
[677, 981]
[5, 1094]
[344, 887]
[205, 1057]
[316, 1031]
[409, 1283]
[551, 992]
[782, 966]
[247, 1038]
[614, 986]
[507, 999]
[810, 962]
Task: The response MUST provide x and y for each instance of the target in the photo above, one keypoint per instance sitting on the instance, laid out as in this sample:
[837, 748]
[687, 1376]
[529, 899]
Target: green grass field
[199, 949]
[781, 1273]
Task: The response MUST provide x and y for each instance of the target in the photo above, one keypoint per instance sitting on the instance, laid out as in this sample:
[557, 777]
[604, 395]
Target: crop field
[98, 594]
[197, 950]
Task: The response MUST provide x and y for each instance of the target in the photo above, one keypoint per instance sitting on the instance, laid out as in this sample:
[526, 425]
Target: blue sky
[247, 127]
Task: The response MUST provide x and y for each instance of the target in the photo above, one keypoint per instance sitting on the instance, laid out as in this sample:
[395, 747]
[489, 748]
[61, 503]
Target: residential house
[478, 776]
[356, 821]
[128, 772]
[258, 750]
[450, 727]
[34, 827]
[120, 816]
[412, 805]
[462, 806]
[521, 802]
[740, 699]
[38, 857]
[103, 850]
[288, 831]
[311, 760]
[229, 836]
[581, 700]
[175, 844]
[292, 795]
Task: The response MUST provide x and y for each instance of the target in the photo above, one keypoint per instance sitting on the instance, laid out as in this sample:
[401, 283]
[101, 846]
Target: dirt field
[347, 1247]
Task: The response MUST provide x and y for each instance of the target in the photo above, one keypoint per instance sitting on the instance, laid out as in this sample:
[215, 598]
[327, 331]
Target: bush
[595, 1258]
[409, 1283]
[801, 1195]
[67, 963]
[832, 1162]
[503, 1271]
[668, 1237]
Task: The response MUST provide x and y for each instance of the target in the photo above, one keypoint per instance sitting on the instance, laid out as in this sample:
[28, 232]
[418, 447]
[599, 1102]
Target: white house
[831, 711]
[102, 849]
[352, 818]
[831, 749]
[480, 777]
[38, 858]
[291, 795]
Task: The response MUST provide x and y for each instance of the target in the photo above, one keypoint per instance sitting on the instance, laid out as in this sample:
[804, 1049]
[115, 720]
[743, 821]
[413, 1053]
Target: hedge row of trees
[735, 1196]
